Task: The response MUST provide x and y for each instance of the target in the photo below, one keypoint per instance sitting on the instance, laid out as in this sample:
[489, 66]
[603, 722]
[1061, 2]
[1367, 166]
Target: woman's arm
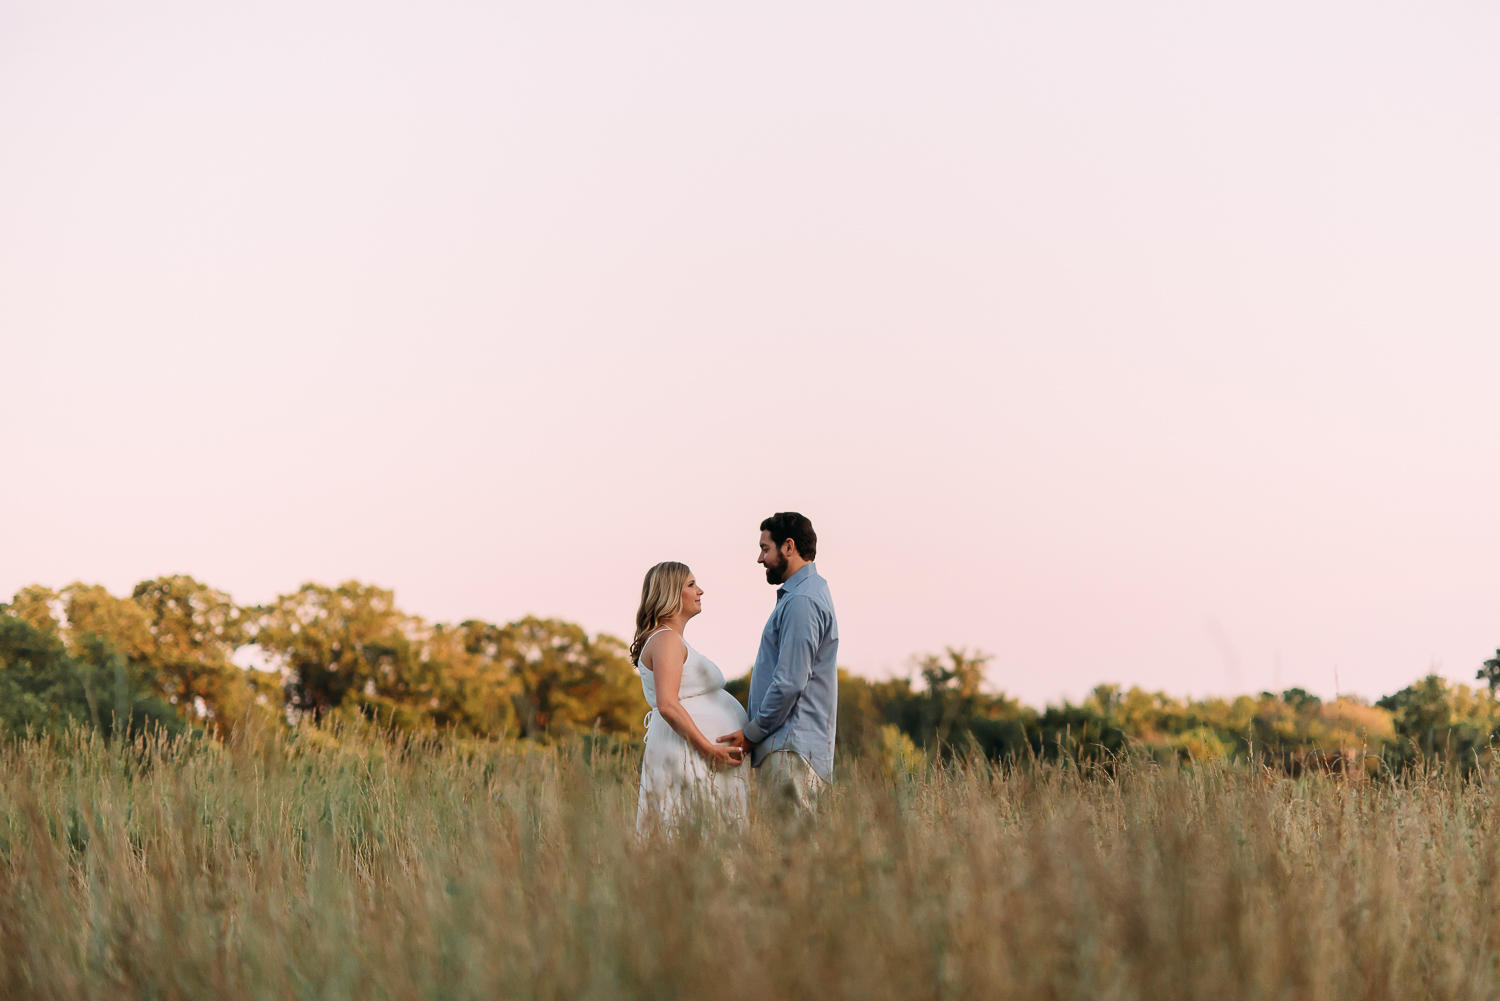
[665, 659]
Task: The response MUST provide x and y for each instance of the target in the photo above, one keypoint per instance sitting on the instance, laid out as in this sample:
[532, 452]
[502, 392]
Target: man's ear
[792, 551]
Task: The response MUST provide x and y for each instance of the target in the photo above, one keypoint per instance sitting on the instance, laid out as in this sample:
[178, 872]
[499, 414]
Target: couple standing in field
[700, 743]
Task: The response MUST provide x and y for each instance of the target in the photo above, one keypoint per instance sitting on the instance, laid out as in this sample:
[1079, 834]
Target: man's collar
[797, 579]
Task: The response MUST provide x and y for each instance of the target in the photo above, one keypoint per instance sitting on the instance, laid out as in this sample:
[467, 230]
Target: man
[794, 687]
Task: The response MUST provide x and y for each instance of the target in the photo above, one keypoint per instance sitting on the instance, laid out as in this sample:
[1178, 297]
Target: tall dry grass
[304, 867]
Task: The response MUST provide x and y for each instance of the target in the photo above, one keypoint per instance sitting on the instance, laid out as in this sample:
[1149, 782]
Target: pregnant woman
[690, 710]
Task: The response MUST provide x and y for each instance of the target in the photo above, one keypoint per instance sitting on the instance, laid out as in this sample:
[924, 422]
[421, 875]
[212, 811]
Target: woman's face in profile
[692, 597]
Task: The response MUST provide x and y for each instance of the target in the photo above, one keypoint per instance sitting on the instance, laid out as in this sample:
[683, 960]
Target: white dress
[672, 773]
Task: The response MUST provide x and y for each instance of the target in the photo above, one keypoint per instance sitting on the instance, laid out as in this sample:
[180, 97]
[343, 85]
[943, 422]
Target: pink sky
[1145, 343]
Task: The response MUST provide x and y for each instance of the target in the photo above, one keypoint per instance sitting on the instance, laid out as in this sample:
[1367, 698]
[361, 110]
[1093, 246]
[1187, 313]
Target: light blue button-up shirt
[794, 688]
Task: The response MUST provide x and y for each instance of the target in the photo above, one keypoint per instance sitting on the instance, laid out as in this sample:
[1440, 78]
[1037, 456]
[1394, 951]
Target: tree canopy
[45, 686]
[344, 651]
[165, 656]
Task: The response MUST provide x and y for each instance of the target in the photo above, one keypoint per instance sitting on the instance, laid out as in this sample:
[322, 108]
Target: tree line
[164, 657]
[947, 713]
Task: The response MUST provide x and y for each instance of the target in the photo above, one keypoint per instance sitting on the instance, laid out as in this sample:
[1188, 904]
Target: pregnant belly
[717, 714]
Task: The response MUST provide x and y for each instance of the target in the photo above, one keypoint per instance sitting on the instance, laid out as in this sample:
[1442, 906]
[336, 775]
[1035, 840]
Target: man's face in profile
[772, 558]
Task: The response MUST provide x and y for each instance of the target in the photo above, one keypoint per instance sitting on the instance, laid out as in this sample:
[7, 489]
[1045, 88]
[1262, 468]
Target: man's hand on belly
[737, 739]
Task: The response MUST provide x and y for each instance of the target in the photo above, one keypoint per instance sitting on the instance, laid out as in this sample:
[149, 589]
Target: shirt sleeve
[799, 642]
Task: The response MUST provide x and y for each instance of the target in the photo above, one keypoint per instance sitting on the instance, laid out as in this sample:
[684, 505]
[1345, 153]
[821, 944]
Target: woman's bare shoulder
[665, 639]
[665, 642]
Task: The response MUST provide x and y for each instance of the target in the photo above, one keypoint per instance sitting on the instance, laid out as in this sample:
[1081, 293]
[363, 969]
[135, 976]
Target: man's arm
[799, 642]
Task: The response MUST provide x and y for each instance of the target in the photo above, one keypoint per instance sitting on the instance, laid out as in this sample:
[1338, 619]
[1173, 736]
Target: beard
[776, 572]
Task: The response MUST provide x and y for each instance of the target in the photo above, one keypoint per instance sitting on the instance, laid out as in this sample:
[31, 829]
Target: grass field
[307, 866]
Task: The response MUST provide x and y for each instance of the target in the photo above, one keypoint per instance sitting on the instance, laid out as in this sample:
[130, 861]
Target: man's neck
[793, 565]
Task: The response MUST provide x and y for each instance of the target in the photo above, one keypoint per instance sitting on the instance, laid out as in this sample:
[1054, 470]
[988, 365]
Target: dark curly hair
[785, 525]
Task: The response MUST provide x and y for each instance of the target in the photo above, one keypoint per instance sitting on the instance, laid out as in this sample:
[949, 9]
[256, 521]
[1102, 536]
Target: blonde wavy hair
[661, 598]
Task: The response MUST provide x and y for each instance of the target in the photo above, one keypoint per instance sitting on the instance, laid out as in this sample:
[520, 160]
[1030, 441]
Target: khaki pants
[791, 781]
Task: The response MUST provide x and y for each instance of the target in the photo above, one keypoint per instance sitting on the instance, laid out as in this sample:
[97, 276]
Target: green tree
[174, 630]
[1490, 672]
[1441, 721]
[860, 719]
[194, 632]
[1422, 712]
[44, 686]
[565, 679]
[86, 608]
[469, 680]
[351, 649]
[952, 698]
[348, 643]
